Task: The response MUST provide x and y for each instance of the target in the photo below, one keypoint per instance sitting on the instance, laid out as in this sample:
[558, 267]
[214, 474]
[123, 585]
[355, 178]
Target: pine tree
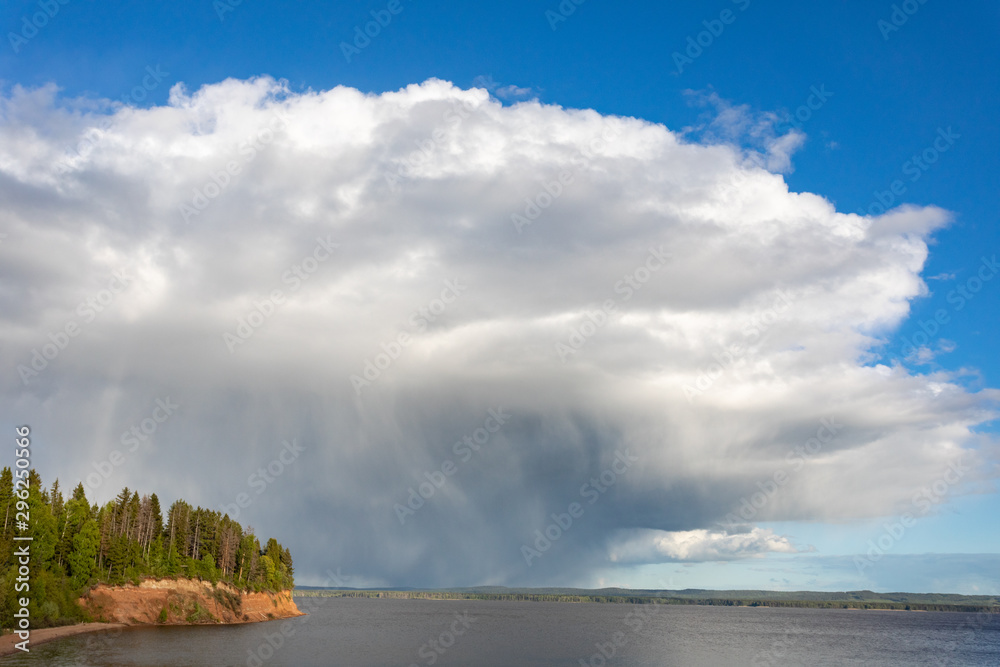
[61, 516]
[82, 557]
[7, 506]
[155, 523]
[131, 529]
[42, 523]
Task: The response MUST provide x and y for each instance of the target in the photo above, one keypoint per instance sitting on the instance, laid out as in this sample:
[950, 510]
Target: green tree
[7, 506]
[156, 558]
[82, 559]
[206, 569]
[172, 562]
[270, 573]
[42, 523]
[76, 543]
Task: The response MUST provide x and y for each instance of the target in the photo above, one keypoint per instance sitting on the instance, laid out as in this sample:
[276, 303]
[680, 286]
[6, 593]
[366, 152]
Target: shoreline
[42, 635]
[845, 605]
[183, 602]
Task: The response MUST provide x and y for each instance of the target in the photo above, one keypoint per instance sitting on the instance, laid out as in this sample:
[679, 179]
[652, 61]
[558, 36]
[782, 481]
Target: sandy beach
[48, 634]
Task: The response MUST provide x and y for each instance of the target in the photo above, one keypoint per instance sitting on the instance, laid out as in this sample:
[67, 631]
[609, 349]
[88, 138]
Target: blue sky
[911, 104]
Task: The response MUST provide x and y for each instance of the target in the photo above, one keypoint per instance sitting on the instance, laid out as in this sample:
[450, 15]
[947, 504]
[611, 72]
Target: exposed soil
[184, 602]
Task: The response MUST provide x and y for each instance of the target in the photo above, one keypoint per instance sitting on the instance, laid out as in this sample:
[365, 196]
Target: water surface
[366, 632]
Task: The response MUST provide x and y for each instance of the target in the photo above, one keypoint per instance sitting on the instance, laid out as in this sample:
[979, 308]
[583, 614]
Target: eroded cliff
[183, 602]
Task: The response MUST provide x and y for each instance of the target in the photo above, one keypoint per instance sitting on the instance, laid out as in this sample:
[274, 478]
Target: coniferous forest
[77, 545]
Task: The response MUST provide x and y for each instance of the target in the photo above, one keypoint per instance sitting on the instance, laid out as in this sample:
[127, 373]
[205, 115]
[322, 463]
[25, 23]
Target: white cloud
[513, 92]
[759, 132]
[270, 171]
[657, 546]
[926, 355]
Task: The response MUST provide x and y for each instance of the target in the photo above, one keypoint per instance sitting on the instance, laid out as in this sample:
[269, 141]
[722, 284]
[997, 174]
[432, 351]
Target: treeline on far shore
[639, 599]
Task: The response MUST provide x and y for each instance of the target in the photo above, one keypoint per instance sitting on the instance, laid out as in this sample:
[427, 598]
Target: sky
[663, 295]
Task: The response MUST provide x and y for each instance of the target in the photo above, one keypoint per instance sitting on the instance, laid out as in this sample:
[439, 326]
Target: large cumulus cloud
[370, 275]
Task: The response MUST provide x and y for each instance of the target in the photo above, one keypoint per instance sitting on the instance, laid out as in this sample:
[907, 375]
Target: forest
[75, 545]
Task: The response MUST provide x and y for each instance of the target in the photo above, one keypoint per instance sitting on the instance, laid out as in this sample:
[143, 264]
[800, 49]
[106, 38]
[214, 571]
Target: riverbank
[43, 635]
[184, 602]
[165, 602]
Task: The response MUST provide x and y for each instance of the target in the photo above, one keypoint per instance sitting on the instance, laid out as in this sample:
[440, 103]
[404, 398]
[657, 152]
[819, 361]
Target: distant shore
[43, 635]
[948, 603]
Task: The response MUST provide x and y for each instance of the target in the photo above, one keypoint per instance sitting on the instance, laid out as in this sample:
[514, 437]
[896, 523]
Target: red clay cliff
[184, 602]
